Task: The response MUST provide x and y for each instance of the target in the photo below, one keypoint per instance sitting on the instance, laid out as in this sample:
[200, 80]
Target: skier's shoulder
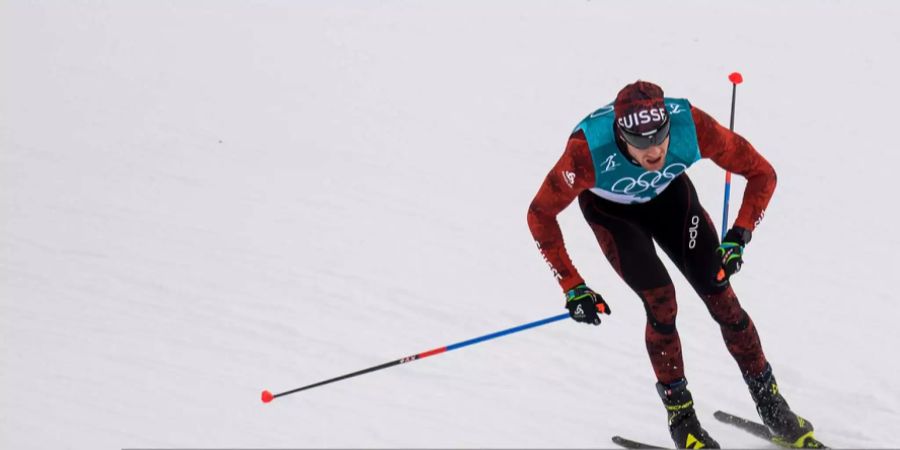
[578, 150]
[702, 118]
[596, 128]
[577, 137]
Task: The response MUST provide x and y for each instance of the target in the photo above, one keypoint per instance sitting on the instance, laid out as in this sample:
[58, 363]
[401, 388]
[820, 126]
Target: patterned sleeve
[733, 153]
[572, 174]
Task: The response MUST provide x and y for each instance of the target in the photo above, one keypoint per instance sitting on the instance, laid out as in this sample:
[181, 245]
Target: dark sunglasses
[646, 140]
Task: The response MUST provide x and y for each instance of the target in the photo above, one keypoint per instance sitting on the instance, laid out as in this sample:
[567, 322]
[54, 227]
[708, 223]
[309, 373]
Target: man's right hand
[585, 305]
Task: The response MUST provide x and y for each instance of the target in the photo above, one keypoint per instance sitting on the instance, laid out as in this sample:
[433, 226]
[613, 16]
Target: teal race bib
[621, 181]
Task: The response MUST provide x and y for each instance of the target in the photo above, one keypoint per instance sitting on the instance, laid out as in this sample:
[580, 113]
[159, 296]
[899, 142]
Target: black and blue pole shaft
[268, 396]
[736, 78]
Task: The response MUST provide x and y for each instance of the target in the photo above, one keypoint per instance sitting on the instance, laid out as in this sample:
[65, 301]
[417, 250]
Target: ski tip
[267, 396]
[723, 416]
[736, 78]
[629, 444]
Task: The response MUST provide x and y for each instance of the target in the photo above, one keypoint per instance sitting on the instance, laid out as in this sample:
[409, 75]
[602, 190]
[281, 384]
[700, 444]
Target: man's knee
[726, 310]
[661, 308]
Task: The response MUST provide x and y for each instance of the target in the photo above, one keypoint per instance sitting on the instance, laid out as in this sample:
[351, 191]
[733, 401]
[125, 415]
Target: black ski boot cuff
[763, 387]
[674, 393]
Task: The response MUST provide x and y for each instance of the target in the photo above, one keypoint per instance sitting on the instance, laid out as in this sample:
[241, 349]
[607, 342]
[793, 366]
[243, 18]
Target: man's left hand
[731, 253]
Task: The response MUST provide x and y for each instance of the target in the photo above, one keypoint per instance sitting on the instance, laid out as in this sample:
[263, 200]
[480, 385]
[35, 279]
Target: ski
[761, 431]
[628, 443]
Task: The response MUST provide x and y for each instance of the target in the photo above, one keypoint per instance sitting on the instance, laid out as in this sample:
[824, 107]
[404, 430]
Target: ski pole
[268, 396]
[735, 79]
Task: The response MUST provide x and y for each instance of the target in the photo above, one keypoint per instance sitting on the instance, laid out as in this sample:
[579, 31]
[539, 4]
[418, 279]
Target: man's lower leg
[684, 426]
[774, 410]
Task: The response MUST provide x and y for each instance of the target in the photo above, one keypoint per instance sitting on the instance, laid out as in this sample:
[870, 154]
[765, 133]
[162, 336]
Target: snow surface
[203, 199]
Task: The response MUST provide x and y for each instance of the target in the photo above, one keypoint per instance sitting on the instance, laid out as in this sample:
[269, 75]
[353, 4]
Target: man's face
[652, 158]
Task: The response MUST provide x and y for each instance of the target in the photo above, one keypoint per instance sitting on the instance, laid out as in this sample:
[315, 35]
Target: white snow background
[203, 199]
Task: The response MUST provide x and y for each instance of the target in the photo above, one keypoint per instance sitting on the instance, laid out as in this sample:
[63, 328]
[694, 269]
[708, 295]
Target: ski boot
[788, 429]
[683, 423]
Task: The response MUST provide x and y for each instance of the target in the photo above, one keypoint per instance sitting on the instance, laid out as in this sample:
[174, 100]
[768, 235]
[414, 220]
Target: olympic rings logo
[647, 180]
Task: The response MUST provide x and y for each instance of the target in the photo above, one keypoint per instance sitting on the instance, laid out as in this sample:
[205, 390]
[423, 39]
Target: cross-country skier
[626, 165]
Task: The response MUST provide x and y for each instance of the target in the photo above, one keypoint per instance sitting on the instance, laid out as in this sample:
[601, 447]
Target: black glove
[584, 305]
[731, 253]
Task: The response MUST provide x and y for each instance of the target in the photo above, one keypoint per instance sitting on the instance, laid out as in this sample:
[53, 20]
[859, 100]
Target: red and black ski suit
[682, 228]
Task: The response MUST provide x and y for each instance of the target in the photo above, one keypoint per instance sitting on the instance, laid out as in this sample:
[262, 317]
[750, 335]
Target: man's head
[643, 123]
